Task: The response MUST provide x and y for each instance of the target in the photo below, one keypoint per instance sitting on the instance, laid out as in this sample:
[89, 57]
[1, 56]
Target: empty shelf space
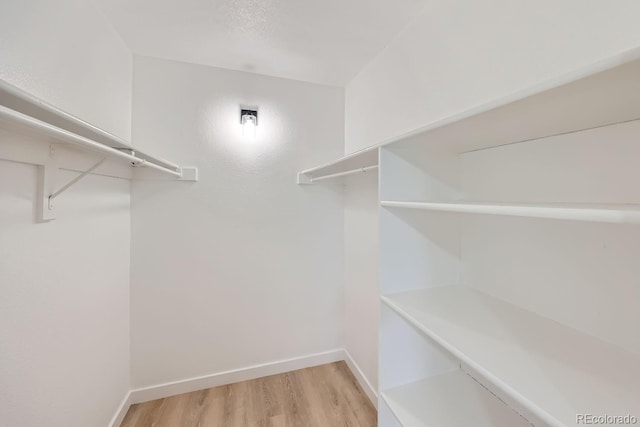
[450, 400]
[551, 370]
[613, 213]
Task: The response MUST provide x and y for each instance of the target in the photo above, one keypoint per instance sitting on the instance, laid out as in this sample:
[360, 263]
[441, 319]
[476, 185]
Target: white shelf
[551, 370]
[26, 114]
[36, 131]
[627, 214]
[599, 94]
[450, 400]
[361, 161]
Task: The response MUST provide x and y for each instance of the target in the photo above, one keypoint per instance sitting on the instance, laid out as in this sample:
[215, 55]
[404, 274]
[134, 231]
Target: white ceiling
[322, 41]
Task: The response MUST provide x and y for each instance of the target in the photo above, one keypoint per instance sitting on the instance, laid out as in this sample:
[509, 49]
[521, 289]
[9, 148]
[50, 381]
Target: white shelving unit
[35, 132]
[550, 369]
[435, 402]
[508, 268]
[624, 214]
[508, 254]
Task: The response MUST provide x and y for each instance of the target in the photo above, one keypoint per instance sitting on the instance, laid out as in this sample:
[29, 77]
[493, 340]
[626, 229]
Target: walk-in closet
[319, 214]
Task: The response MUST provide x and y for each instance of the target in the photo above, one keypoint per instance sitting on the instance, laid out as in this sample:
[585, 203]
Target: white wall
[457, 54]
[361, 300]
[243, 267]
[64, 310]
[66, 53]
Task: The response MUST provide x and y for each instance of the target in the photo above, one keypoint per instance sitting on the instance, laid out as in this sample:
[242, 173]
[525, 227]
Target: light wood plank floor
[322, 396]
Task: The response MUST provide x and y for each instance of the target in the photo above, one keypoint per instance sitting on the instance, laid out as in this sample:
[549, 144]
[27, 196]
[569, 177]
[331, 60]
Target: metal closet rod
[349, 172]
[64, 135]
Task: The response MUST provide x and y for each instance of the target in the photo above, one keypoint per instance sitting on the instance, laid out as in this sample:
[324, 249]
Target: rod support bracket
[188, 173]
[46, 188]
[304, 179]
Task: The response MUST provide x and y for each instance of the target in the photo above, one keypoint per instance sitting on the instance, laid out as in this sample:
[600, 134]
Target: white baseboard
[362, 379]
[199, 383]
[121, 412]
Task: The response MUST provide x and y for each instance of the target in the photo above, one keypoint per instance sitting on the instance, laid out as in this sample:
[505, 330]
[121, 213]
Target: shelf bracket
[304, 179]
[46, 186]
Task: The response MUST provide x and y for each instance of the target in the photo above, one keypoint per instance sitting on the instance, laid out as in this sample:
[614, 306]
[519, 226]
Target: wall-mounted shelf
[627, 214]
[600, 94]
[20, 101]
[362, 161]
[48, 134]
[551, 370]
[454, 399]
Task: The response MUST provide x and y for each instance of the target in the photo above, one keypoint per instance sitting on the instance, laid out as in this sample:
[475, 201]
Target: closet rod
[66, 136]
[349, 172]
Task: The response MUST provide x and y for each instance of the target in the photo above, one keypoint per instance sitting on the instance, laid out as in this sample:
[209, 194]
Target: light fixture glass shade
[249, 121]
[249, 125]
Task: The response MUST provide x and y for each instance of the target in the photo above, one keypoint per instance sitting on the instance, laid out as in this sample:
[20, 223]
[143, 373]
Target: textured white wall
[66, 53]
[64, 309]
[244, 266]
[457, 54]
